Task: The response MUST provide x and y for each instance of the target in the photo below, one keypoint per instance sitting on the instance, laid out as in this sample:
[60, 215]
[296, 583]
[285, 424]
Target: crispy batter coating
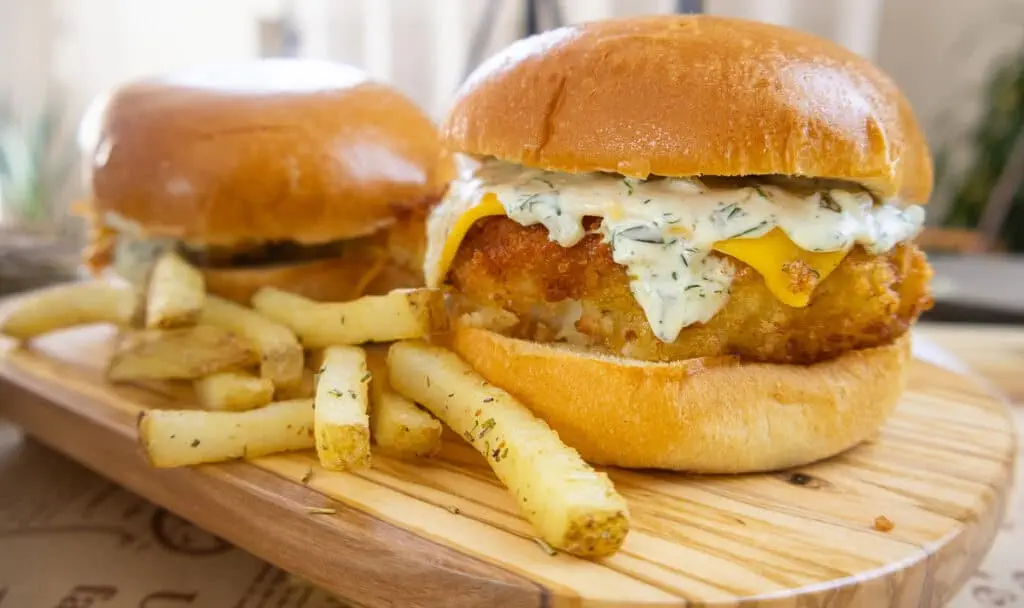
[388, 259]
[869, 300]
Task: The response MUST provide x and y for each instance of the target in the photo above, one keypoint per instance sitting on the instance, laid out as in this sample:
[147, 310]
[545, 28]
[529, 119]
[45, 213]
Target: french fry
[572, 507]
[397, 425]
[178, 354]
[341, 424]
[280, 353]
[399, 315]
[174, 438]
[233, 391]
[69, 306]
[175, 295]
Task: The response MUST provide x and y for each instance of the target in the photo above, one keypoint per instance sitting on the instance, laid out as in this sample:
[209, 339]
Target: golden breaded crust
[390, 259]
[868, 301]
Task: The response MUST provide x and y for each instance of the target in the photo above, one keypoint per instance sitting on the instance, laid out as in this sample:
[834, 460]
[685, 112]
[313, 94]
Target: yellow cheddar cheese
[777, 259]
[774, 256]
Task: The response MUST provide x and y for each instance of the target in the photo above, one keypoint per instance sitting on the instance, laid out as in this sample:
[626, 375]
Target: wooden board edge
[976, 537]
[376, 555]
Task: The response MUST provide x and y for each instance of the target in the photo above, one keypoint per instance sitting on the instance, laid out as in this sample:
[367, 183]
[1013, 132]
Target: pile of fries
[292, 374]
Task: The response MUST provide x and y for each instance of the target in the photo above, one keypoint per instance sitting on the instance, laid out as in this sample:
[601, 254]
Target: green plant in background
[992, 144]
[37, 159]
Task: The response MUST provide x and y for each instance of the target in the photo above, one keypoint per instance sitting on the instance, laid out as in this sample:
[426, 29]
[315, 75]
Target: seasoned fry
[399, 315]
[175, 295]
[280, 353]
[342, 426]
[174, 438]
[68, 306]
[397, 425]
[233, 391]
[178, 354]
[572, 507]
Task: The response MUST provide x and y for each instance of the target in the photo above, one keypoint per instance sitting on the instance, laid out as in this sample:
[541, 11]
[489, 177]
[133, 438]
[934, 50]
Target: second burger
[303, 175]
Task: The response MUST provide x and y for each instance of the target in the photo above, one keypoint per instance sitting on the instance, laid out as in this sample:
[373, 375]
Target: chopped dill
[750, 230]
[486, 427]
[827, 202]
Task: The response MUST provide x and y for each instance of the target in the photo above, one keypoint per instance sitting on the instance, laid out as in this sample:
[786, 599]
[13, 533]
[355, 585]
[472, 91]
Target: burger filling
[397, 252]
[769, 268]
[133, 254]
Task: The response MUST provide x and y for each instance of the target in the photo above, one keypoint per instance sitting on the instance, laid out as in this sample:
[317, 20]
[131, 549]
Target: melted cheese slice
[777, 259]
[457, 226]
[774, 256]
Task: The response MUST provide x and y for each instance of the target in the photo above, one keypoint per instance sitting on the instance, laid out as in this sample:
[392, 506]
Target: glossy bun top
[308, 151]
[692, 95]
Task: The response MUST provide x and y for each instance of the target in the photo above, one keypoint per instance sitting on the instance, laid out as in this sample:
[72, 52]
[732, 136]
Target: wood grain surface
[443, 532]
[995, 352]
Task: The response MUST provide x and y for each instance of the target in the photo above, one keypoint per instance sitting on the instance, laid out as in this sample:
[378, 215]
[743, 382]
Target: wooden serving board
[443, 532]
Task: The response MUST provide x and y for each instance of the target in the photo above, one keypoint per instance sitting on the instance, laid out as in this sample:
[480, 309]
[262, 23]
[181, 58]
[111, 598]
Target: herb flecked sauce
[662, 230]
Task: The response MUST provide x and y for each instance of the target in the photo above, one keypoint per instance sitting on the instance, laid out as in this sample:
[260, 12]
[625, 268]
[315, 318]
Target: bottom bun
[696, 415]
[329, 280]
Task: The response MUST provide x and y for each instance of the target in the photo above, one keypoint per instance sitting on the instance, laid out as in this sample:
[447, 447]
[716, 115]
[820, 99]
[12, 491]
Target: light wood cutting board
[443, 532]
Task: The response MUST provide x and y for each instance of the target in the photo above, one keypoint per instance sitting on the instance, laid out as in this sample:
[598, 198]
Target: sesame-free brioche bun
[692, 95]
[698, 416]
[268, 150]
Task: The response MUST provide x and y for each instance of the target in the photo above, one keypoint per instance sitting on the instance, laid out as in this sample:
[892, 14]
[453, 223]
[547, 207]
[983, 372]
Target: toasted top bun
[306, 151]
[692, 95]
[696, 415]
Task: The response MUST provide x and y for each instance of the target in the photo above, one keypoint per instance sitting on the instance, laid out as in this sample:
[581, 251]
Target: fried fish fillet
[869, 300]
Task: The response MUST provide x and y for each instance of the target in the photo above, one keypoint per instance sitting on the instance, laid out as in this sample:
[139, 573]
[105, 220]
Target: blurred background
[960, 63]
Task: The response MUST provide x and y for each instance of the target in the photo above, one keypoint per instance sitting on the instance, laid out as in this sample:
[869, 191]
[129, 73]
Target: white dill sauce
[662, 230]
